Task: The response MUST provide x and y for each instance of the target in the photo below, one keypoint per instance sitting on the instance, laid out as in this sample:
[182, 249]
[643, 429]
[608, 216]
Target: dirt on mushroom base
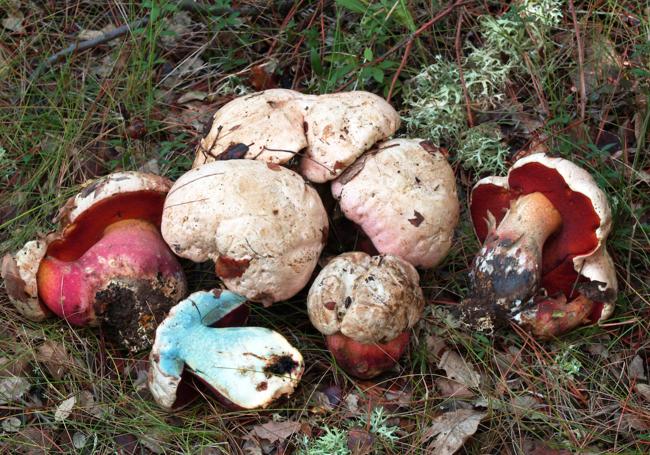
[131, 309]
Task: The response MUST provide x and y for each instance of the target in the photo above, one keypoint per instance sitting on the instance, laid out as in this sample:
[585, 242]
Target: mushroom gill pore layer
[573, 259]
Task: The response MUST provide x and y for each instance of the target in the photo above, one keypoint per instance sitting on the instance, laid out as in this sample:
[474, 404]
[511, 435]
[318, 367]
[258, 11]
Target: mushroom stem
[365, 361]
[553, 316]
[507, 269]
[532, 217]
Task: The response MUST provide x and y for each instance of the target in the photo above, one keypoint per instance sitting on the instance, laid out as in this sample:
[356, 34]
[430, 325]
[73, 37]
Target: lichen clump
[434, 100]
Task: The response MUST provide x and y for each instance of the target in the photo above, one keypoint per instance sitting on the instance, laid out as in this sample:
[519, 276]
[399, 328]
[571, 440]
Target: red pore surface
[366, 361]
[576, 236]
[130, 249]
[88, 227]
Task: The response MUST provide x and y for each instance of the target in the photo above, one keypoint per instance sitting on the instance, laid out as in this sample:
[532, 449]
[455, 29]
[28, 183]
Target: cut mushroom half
[543, 263]
[365, 306]
[263, 227]
[245, 367]
[106, 264]
[403, 195]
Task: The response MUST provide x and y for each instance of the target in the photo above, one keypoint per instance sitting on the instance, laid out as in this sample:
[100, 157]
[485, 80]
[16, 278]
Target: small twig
[409, 43]
[470, 117]
[83, 45]
[581, 70]
[402, 64]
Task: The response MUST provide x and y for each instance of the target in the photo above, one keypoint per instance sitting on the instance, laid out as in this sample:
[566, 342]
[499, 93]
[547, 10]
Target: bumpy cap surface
[267, 126]
[247, 367]
[371, 299]
[403, 195]
[259, 222]
[340, 127]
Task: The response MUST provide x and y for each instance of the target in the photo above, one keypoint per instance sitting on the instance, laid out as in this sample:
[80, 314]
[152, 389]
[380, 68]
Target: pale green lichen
[481, 150]
[335, 440]
[434, 100]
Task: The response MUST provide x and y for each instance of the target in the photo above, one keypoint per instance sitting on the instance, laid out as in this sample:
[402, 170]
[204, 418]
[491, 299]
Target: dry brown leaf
[64, 409]
[13, 388]
[54, 356]
[643, 390]
[540, 448]
[451, 430]
[275, 431]
[85, 35]
[635, 369]
[35, 441]
[192, 95]
[635, 423]
[449, 388]
[458, 370]
[360, 442]
[14, 22]
[176, 27]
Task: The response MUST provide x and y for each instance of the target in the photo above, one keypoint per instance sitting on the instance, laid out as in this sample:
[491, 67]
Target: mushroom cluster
[543, 263]
[401, 193]
[106, 263]
[113, 260]
[276, 125]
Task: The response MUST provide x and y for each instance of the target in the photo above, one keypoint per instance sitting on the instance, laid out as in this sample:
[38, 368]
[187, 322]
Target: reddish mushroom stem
[365, 361]
[507, 270]
[551, 317]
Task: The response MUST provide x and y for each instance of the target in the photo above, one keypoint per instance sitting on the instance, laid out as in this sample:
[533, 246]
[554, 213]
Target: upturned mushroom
[106, 264]
[245, 367]
[263, 227]
[402, 194]
[365, 306]
[543, 263]
[275, 125]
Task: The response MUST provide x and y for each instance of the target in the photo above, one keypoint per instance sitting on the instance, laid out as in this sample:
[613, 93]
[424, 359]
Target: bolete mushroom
[267, 126]
[259, 222]
[246, 367]
[340, 127]
[275, 125]
[107, 263]
[365, 306]
[403, 195]
[543, 229]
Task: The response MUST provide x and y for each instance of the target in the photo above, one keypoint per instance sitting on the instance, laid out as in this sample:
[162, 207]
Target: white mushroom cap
[371, 299]
[19, 274]
[268, 123]
[599, 267]
[340, 127]
[403, 195]
[260, 223]
[117, 183]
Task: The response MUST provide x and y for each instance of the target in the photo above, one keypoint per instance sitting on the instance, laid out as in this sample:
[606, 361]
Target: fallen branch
[188, 5]
[83, 45]
[468, 105]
